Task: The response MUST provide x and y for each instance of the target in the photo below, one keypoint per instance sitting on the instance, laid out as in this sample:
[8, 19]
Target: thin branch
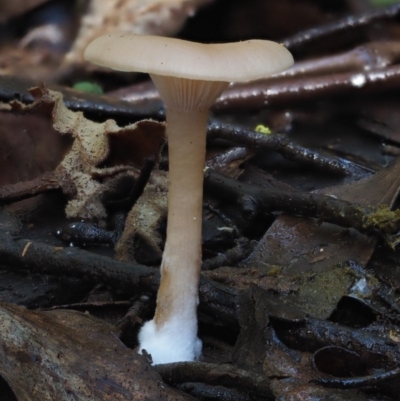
[253, 199]
[26, 189]
[357, 382]
[209, 373]
[350, 22]
[282, 144]
[123, 278]
[367, 57]
[259, 94]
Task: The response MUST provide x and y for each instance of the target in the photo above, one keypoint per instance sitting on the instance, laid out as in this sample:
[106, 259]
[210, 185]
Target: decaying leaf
[141, 240]
[64, 355]
[29, 146]
[79, 171]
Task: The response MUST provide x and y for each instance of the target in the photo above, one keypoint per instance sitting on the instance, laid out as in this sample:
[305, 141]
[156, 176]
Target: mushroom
[189, 77]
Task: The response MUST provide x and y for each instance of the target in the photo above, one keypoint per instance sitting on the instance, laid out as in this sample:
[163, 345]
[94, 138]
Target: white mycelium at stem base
[172, 335]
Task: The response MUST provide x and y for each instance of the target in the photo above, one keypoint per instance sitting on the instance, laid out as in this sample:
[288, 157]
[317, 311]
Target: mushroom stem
[172, 335]
[180, 268]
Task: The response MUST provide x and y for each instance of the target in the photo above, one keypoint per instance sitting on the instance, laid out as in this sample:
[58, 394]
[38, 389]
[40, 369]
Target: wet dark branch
[15, 88]
[207, 392]
[370, 56]
[314, 334]
[281, 144]
[259, 94]
[357, 382]
[344, 24]
[59, 261]
[208, 373]
[123, 278]
[230, 257]
[254, 199]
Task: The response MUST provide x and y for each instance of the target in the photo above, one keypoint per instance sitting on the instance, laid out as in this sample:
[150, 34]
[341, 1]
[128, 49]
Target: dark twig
[344, 24]
[46, 259]
[13, 88]
[26, 189]
[259, 94]
[370, 56]
[123, 278]
[356, 382]
[279, 143]
[208, 373]
[230, 257]
[253, 199]
[314, 334]
[206, 392]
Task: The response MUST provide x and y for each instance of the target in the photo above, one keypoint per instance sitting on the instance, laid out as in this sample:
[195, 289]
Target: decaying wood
[42, 352]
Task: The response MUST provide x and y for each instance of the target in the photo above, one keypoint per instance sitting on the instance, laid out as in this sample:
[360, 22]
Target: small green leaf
[88, 87]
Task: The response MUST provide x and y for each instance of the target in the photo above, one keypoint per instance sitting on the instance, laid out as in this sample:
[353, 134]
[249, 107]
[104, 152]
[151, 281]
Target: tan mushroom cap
[227, 62]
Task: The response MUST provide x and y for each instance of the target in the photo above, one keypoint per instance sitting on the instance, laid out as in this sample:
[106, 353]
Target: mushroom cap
[227, 62]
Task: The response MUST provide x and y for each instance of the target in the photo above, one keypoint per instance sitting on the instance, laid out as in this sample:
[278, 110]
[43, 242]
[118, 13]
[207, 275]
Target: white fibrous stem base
[175, 341]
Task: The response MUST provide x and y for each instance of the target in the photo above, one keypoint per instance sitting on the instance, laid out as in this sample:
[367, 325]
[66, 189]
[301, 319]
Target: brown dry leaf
[157, 17]
[29, 146]
[64, 355]
[141, 240]
[86, 159]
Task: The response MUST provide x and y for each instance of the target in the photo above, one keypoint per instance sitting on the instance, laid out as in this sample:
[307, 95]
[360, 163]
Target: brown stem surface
[180, 269]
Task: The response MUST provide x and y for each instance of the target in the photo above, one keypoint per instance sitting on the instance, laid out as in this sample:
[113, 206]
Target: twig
[357, 382]
[344, 24]
[26, 189]
[230, 257]
[281, 144]
[256, 95]
[370, 56]
[123, 278]
[314, 334]
[205, 392]
[253, 199]
[226, 375]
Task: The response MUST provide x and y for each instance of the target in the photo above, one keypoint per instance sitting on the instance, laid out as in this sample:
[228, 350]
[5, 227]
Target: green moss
[383, 219]
[274, 271]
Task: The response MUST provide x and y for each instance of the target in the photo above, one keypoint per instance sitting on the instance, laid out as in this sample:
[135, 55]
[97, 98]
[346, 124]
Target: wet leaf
[303, 249]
